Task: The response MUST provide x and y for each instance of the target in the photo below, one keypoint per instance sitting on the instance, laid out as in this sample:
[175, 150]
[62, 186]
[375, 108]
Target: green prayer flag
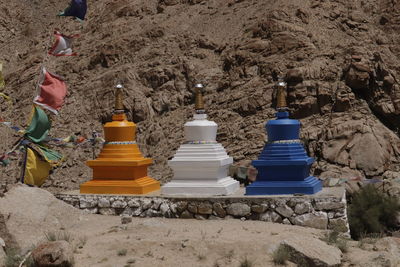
[39, 127]
[49, 155]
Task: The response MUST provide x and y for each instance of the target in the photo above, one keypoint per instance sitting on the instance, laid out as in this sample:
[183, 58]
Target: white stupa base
[201, 164]
[224, 186]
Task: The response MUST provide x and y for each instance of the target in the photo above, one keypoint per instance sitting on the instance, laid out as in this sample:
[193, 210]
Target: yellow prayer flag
[36, 170]
[2, 82]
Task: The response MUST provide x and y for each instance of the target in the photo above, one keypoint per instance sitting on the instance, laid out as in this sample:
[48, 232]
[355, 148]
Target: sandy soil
[169, 242]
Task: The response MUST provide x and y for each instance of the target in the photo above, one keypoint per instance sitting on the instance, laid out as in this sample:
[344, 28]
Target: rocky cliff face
[340, 59]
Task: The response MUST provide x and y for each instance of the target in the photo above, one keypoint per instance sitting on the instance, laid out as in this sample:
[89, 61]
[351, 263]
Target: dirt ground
[149, 242]
[166, 242]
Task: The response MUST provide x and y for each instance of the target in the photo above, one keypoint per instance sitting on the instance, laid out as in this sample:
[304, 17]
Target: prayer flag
[63, 45]
[36, 170]
[52, 92]
[76, 8]
[2, 82]
[39, 126]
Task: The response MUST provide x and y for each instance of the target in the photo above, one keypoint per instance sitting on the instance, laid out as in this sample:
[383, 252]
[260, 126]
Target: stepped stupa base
[141, 185]
[221, 187]
[308, 186]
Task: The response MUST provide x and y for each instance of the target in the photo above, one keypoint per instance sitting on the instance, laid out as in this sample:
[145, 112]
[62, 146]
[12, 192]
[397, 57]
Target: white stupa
[201, 164]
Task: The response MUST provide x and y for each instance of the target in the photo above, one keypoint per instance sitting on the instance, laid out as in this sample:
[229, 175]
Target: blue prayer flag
[77, 8]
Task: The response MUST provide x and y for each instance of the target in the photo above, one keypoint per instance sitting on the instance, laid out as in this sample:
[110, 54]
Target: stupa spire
[281, 104]
[119, 101]
[199, 102]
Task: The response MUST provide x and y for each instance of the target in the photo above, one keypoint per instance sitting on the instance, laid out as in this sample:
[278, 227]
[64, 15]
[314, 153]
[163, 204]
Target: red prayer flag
[52, 92]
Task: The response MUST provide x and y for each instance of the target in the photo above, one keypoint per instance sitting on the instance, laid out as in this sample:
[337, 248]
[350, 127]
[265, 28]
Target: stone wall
[322, 211]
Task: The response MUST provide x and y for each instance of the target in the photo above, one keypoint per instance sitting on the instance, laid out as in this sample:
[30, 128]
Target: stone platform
[324, 210]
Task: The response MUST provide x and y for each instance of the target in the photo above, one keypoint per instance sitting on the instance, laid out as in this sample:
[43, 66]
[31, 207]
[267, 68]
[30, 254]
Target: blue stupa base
[308, 186]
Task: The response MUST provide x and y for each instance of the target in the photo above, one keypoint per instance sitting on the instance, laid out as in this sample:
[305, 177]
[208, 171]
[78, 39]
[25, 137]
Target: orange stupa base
[120, 167]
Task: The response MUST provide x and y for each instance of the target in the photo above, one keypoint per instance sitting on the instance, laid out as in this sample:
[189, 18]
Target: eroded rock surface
[342, 76]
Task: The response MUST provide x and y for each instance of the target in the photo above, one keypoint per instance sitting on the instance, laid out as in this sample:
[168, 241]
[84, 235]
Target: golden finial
[119, 102]
[281, 96]
[199, 104]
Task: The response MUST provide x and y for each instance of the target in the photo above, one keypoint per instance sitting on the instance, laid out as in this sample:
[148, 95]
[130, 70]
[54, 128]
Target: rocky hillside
[340, 59]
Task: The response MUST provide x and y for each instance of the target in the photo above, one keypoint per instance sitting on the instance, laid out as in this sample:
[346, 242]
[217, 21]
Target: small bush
[280, 255]
[246, 263]
[131, 261]
[333, 238]
[342, 245]
[64, 236]
[372, 211]
[12, 258]
[51, 236]
[54, 236]
[201, 257]
[122, 252]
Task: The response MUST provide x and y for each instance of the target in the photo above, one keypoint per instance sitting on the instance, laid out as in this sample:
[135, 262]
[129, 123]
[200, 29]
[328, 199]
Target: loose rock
[53, 254]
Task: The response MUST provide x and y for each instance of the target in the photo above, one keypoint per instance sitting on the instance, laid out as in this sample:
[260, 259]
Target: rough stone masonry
[325, 210]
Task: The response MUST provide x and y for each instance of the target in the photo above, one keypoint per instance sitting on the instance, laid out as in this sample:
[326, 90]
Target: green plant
[54, 236]
[63, 235]
[122, 252]
[131, 261]
[12, 258]
[246, 263]
[149, 254]
[201, 257]
[333, 238]
[51, 236]
[342, 245]
[82, 241]
[280, 255]
[230, 254]
[372, 211]
[103, 260]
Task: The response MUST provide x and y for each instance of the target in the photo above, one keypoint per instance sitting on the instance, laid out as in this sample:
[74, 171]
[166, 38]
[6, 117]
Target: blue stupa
[283, 165]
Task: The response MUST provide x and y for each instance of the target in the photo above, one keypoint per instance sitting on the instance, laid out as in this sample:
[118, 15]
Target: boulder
[106, 211]
[53, 254]
[119, 204]
[328, 205]
[302, 208]
[317, 220]
[204, 208]
[28, 209]
[270, 216]
[104, 203]
[259, 208]
[186, 215]
[219, 210]
[238, 209]
[133, 203]
[87, 203]
[165, 210]
[285, 211]
[307, 251]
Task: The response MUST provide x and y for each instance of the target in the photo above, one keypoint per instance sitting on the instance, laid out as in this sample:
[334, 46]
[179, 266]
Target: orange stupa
[120, 167]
